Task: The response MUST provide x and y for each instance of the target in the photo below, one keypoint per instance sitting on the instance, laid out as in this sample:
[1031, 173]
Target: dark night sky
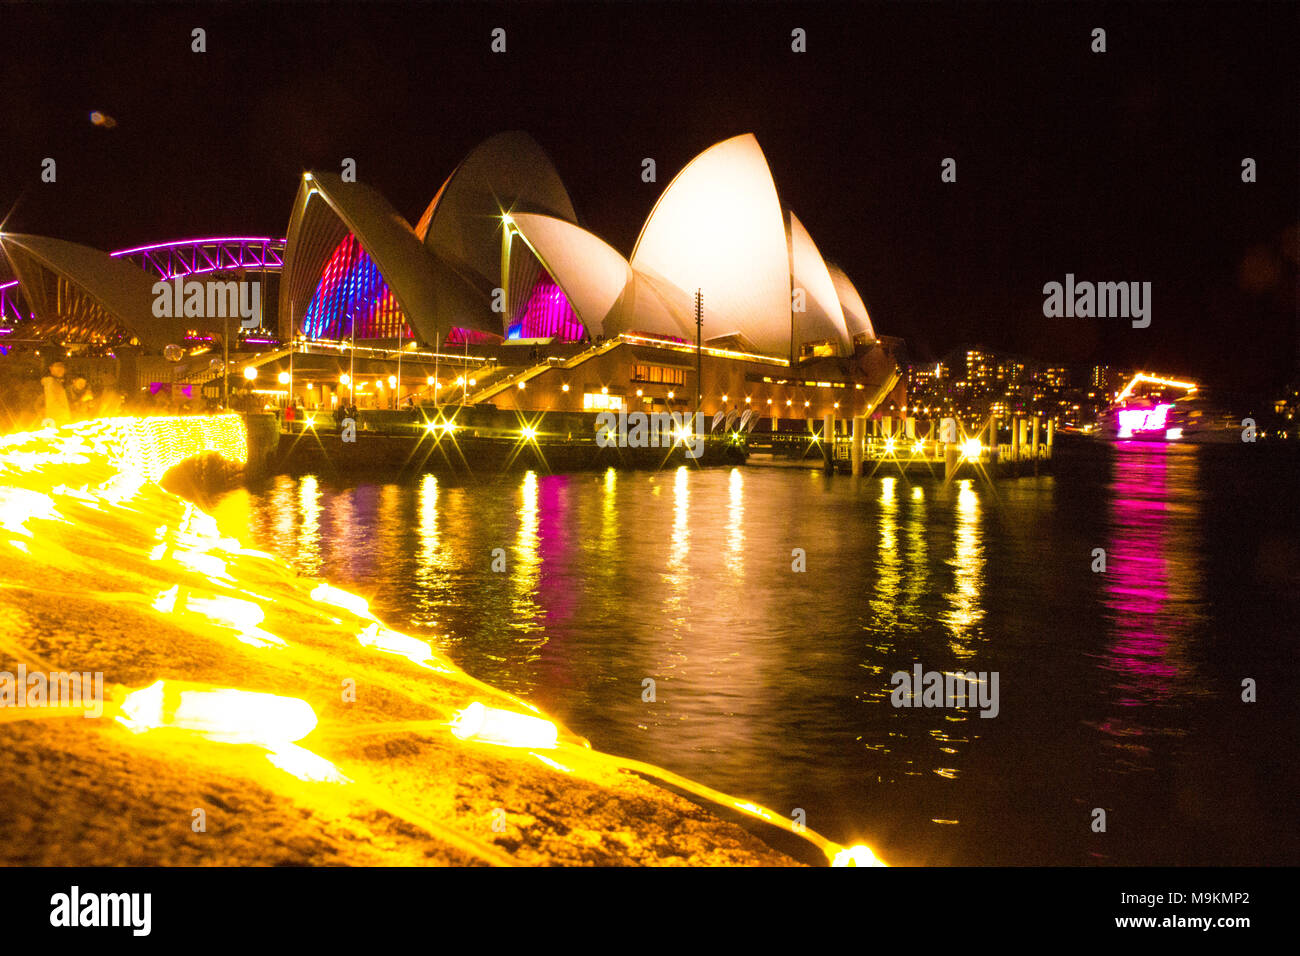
[1122, 166]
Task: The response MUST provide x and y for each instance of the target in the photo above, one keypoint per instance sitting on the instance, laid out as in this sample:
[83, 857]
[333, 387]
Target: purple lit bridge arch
[184, 257]
[180, 257]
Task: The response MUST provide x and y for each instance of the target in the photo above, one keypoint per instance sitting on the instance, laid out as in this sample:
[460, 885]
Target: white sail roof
[822, 319]
[719, 227]
[856, 319]
[506, 173]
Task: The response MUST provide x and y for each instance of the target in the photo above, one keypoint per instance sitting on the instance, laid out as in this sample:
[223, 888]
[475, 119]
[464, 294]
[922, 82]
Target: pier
[1019, 446]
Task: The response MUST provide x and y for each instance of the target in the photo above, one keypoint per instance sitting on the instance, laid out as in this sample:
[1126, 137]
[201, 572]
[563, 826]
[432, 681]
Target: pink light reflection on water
[1151, 581]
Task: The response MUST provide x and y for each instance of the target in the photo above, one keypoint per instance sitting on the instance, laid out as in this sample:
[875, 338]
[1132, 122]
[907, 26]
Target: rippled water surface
[1118, 690]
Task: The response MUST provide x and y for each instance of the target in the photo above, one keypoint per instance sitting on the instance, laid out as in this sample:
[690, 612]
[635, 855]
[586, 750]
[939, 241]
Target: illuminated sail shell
[507, 173]
[822, 319]
[856, 319]
[719, 227]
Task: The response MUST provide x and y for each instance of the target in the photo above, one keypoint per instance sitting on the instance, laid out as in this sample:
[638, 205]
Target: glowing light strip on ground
[155, 445]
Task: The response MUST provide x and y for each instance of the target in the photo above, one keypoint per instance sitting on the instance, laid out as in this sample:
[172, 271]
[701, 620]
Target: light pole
[352, 360]
[699, 332]
[507, 230]
[225, 363]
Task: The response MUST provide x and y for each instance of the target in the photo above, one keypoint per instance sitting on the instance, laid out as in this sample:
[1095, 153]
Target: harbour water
[1118, 689]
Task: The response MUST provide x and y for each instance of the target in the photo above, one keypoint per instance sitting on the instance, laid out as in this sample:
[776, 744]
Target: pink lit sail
[547, 313]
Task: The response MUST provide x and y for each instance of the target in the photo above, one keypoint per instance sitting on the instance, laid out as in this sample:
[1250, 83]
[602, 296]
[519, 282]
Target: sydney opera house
[495, 295]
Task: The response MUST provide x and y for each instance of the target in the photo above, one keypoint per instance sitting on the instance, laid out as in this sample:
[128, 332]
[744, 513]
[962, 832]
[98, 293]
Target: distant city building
[1105, 378]
[995, 383]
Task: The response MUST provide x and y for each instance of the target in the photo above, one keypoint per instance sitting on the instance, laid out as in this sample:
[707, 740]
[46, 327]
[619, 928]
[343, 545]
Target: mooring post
[993, 439]
[828, 442]
[855, 450]
[1051, 433]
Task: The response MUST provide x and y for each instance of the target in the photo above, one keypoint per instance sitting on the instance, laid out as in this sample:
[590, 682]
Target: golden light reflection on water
[387, 547]
[681, 515]
[889, 573]
[918, 568]
[736, 524]
[527, 557]
[428, 518]
[964, 610]
[309, 551]
[283, 511]
[677, 575]
[430, 561]
[609, 512]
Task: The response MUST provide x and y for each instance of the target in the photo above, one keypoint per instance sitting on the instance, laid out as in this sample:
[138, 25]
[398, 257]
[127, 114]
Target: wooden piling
[828, 442]
[859, 438]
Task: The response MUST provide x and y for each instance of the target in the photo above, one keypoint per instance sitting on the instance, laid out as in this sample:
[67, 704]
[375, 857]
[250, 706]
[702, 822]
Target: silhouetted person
[56, 395]
[81, 400]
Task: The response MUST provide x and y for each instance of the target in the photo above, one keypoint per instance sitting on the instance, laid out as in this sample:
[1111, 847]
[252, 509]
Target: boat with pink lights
[1194, 419]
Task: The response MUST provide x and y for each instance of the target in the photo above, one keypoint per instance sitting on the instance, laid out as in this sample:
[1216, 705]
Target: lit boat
[1194, 419]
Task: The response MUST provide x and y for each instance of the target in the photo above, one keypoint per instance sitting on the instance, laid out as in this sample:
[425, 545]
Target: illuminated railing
[337, 347]
[184, 257]
[631, 339]
[10, 312]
